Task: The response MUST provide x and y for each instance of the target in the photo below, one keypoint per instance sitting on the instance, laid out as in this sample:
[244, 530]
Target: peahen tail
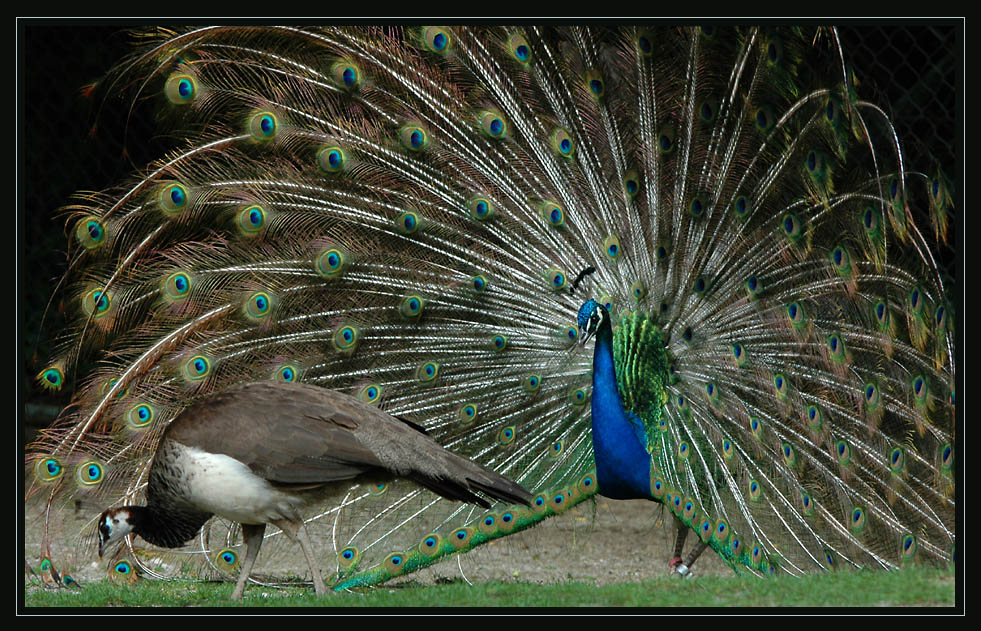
[411, 215]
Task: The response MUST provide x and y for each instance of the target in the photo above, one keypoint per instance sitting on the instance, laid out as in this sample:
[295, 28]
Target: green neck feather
[642, 366]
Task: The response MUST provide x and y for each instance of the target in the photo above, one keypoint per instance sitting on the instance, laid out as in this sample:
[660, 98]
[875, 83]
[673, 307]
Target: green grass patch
[914, 587]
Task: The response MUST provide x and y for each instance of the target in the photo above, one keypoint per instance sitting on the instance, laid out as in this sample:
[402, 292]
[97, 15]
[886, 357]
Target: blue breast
[622, 462]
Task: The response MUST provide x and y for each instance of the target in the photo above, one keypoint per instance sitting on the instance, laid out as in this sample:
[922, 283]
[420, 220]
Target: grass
[913, 587]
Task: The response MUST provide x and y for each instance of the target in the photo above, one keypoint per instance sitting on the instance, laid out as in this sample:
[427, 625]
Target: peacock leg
[253, 541]
[297, 531]
[684, 568]
[679, 543]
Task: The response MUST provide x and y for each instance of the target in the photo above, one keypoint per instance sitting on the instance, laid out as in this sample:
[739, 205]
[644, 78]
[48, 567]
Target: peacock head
[592, 316]
[114, 525]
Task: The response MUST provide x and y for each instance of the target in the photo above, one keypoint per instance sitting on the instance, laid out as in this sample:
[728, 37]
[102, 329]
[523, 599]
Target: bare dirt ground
[608, 542]
[602, 542]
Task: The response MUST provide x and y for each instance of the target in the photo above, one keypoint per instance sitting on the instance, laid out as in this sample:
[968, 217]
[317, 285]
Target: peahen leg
[253, 541]
[298, 533]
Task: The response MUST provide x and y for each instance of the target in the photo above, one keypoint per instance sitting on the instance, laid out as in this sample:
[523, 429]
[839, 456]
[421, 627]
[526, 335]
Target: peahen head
[114, 525]
[592, 317]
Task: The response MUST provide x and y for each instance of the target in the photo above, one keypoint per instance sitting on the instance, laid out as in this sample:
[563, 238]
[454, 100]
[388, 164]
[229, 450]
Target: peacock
[683, 264]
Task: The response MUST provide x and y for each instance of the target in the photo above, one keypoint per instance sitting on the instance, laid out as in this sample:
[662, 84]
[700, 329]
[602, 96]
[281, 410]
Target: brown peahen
[261, 453]
[443, 221]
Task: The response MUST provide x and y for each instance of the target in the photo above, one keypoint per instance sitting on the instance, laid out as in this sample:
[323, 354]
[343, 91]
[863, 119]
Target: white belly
[222, 485]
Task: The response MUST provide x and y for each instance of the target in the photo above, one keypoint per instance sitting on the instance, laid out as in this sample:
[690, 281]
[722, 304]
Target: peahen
[261, 453]
[689, 265]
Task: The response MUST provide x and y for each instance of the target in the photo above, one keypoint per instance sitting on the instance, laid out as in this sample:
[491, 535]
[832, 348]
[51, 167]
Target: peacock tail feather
[406, 215]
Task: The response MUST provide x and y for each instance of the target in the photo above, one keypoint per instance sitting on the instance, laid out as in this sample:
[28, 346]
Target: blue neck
[622, 462]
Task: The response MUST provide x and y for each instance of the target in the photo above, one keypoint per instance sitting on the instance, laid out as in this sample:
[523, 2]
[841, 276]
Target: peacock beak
[585, 337]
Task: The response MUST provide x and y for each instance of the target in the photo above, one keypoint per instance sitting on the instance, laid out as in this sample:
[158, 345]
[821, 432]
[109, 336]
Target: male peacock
[416, 217]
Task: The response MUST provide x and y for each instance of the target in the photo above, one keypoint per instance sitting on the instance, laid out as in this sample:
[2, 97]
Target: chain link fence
[914, 73]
